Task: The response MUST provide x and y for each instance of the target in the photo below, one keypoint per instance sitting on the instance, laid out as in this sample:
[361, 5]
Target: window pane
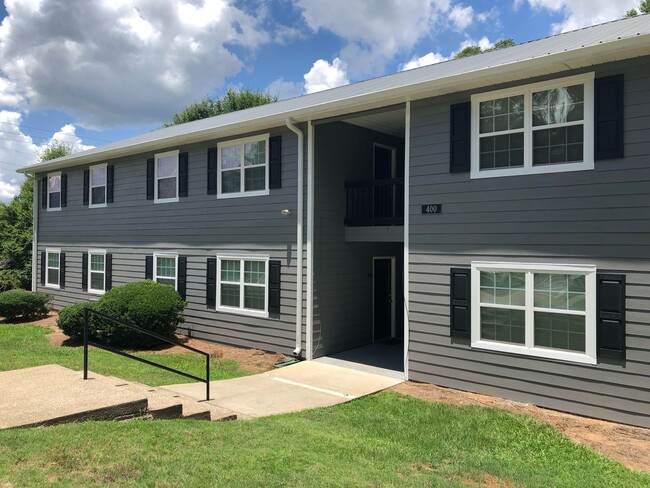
[54, 183]
[558, 145]
[230, 295]
[98, 176]
[230, 270]
[53, 260]
[98, 195]
[558, 105]
[255, 153]
[231, 182]
[254, 272]
[55, 200]
[558, 331]
[166, 166]
[501, 114]
[503, 325]
[503, 288]
[505, 151]
[166, 267]
[560, 291]
[52, 276]
[230, 157]
[255, 179]
[97, 262]
[167, 188]
[167, 281]
[97, 281]
[254, 297]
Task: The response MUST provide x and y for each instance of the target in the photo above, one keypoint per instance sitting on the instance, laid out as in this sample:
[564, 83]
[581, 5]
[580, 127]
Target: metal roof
[621, 39]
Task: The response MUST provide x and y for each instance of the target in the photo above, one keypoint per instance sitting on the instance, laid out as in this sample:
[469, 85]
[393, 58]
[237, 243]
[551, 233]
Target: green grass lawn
[383, 440]
[24, 346]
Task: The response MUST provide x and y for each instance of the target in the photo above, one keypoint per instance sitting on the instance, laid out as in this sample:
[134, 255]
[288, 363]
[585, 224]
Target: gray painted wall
[599, 217]
[197, 226]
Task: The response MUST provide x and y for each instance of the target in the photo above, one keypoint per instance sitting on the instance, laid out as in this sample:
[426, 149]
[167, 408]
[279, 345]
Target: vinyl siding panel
[599, 217]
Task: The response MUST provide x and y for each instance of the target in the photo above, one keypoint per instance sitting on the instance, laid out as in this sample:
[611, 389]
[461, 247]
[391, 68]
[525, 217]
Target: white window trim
[589, 357]
[97, 252]
[241, 142]
[49, 175]
[587, 163]
[157, 255]
[241, 310]
[155, 176]
[90, 186]
[49, 251]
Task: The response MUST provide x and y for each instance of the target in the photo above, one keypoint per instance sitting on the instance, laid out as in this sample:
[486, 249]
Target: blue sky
[89, 73]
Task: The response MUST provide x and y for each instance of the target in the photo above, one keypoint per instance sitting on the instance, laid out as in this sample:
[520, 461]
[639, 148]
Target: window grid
[53, 268]
[97, 186]
[243, 167]
[166, 177]
[54, 191]
[242, 285]
[96, 271]
[165, 269]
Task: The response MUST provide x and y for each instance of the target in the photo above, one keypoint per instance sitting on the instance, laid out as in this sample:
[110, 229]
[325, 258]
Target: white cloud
[67, 134]
[426, 60]
[582, 13]
[374, 31]
[324, 75]
[285, 89]
[461, 17]
[118, 62]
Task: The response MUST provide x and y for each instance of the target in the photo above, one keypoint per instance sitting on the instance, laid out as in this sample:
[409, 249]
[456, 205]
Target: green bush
[149, 305]
[71, 320]
[23, 304]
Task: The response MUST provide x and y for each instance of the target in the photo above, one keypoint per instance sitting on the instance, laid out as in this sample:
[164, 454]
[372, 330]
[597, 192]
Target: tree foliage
[472, 50]
[55, 149]
[644, 8]
[232, 101]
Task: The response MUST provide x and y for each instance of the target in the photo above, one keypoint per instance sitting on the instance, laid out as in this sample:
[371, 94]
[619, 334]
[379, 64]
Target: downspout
[299, 239]
[34, 231]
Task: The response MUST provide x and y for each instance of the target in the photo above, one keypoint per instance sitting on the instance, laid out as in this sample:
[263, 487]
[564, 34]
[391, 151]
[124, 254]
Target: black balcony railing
[375, 202]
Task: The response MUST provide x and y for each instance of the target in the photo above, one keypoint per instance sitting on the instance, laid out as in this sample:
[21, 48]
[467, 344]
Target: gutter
[299, 234]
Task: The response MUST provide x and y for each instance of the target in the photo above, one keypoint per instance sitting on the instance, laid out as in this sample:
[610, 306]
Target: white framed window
[97, 186]
[543, 127]
[54, 191]
[53, 268]
[166, 177]
[242, 284]
[165, 268]
[541, 310]
[96, 271]
[243, 167]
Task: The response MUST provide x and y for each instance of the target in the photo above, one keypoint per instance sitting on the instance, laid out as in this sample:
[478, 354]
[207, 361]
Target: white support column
[310, 240]
[34, 233]
[407, 157]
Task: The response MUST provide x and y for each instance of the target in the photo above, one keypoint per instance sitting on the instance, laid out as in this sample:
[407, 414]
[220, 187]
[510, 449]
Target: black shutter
[43, 267]
[84, 271]
[62, 270]
[608, 123]
[86, 186]
[44, 192]
[109, 183]
[150, 178]
[211, 284]
[460, 137]
[461, 310]
[64, 189]
[182, 174]
[212, 171]
[274, 286]
[275, 162]
[108, 272]
[611, 315]
[148, 268]
[182, 276]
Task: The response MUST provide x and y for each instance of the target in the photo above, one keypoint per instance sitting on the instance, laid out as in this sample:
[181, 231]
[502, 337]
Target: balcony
[375, 203]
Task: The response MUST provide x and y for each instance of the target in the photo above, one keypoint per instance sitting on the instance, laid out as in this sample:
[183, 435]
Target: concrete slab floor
[308, 384]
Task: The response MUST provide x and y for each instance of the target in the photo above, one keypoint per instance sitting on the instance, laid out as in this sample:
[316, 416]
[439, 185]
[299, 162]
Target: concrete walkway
[308, 384]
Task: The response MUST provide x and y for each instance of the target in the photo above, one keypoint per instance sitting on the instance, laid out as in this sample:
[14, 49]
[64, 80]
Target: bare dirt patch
[626, 444]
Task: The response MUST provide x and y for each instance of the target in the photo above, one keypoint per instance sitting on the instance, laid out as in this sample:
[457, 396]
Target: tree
[232, 101]
[16, 228]
[644, 8]
[501, 44]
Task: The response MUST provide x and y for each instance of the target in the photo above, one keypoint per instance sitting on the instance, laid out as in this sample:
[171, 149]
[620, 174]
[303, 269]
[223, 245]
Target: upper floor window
[98, 185]
[539, 128]
[165, 268]
[243, 167]
[54, 191]
[166, 177]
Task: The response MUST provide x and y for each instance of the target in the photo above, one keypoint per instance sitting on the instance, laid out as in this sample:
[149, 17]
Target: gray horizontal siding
[599, 217]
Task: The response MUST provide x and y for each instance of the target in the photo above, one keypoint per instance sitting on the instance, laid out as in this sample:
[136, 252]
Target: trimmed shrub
[147, 304]
[23, 304]
[71, 320]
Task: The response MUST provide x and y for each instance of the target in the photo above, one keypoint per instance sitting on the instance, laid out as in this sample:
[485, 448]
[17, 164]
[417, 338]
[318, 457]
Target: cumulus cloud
[284, 89]
[324, 75]
[116, 62]
[581, 13]
[374, 31]
[461, 17]
[426, 60]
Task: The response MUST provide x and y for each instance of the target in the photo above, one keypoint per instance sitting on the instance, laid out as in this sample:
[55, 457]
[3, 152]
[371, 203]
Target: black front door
[383, 299]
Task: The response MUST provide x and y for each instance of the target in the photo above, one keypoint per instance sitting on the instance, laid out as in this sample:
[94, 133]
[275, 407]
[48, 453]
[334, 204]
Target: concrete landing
[308, 384]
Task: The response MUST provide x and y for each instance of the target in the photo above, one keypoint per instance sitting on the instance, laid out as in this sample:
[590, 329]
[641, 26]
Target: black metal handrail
[88, 311]
[374, 202]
